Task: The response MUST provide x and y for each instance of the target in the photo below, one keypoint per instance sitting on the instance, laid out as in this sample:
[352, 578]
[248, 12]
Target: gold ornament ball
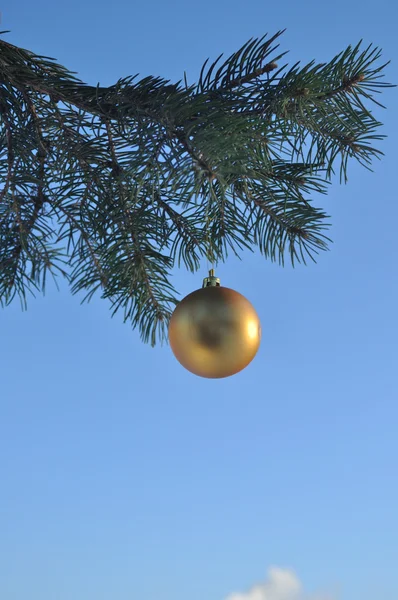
[214, 332]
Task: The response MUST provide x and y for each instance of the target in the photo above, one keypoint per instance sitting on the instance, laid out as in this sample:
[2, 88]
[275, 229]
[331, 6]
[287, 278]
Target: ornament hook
[211, 280]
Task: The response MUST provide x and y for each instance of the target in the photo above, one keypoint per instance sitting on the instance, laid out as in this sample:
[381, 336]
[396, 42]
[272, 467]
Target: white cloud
[281, 584]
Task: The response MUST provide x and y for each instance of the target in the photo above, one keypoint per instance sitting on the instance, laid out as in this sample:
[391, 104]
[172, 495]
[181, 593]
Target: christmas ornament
[214, 332]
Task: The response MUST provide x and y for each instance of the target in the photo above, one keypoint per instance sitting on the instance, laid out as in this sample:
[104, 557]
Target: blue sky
[124, 476]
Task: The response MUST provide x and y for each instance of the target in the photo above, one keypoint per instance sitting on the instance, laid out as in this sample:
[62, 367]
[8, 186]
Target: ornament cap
[211, 280]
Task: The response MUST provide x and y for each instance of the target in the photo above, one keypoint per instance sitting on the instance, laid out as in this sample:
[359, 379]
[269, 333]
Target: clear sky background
[124, 477]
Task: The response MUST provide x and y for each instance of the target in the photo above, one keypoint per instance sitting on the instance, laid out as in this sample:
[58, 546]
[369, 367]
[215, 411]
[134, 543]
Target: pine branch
[25, 227]
[143, 175]
[10, 149]
[242, 67]
[239, 81]
[85, 237]
[346, 86]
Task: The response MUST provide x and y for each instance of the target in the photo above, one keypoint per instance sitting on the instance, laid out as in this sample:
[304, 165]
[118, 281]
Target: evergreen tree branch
[10, 149]
[144, 175]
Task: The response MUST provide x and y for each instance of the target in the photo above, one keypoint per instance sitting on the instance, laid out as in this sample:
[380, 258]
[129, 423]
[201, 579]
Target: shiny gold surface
[214, 332]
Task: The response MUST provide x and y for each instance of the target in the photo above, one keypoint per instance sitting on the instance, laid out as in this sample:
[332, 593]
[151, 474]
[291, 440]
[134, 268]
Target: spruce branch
[145, 175]
[10, 149]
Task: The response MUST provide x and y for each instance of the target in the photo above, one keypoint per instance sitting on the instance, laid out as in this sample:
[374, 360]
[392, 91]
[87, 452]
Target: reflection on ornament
[214, 332]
